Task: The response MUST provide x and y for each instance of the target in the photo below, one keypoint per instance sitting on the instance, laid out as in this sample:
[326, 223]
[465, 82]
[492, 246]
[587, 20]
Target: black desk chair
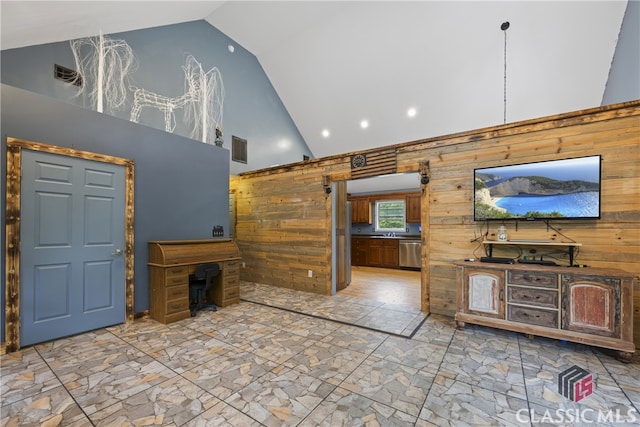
[199, 284]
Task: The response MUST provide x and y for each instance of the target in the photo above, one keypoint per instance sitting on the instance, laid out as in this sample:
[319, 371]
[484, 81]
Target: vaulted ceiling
[335, 64]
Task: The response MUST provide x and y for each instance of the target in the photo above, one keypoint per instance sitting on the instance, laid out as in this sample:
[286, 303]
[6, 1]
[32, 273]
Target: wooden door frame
[425, 174]
[12, 228]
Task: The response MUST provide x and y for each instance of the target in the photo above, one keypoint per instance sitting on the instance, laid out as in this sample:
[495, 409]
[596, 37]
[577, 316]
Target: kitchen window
[390, 215]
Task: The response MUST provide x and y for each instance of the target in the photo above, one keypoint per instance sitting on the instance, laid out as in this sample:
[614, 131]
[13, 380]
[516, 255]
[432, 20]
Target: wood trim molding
[12, 228]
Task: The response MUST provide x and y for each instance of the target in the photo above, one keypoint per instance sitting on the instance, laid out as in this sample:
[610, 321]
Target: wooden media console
[591, 306]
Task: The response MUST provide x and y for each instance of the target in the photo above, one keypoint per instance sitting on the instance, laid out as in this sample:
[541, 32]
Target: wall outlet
[310, 273]
[243, 264]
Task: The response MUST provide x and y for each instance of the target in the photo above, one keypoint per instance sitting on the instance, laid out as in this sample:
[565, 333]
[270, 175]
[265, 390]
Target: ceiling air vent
[67, 75]
[238, 149]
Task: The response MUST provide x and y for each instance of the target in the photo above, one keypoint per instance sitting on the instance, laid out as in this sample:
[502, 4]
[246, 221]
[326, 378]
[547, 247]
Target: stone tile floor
[251, 364]
[396, 319]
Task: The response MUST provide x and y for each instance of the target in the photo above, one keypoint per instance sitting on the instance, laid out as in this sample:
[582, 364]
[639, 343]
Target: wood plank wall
[283, 214]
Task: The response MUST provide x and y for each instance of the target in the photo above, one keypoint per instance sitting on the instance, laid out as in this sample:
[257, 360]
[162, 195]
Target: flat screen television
[555, 189]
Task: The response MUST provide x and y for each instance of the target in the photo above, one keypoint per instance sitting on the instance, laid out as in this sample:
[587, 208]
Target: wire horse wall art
[145, 98]
[110, 61]
[202, 101]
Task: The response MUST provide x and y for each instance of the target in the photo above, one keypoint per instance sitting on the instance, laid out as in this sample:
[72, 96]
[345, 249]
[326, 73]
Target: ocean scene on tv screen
[567, 188]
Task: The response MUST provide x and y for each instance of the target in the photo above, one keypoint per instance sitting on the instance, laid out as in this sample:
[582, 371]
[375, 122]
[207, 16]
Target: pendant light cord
[504, 27]
[505, 77]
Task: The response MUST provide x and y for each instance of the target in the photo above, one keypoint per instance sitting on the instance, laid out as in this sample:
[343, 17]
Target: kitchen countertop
[377, 236]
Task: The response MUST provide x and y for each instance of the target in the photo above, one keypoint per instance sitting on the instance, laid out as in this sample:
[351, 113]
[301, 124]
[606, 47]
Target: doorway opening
[393, 284]
[386, 285]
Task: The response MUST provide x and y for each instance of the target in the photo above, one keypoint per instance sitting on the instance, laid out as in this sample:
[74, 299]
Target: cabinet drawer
[231, 282]
[533, 278]
[182, 271]
[177, 292]
[177, 305]
[234, 263]
[532, 316]
[231, 271]
[176, 280]
[174, 317]
[532, 296]
[231, 292]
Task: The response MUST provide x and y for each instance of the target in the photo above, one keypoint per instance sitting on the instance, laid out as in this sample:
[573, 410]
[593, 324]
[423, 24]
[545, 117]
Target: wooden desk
[171, 262]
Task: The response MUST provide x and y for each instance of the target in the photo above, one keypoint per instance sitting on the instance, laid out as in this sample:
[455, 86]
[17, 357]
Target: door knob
[118, 252]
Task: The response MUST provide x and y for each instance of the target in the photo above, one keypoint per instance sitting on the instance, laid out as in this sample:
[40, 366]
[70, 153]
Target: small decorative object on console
[502, 234]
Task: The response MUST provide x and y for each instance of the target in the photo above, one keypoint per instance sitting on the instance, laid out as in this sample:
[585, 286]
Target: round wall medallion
[358, 161]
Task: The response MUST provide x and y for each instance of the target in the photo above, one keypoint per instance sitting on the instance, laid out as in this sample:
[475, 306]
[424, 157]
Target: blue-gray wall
[181, 185]
[252, 108]
[624, 76]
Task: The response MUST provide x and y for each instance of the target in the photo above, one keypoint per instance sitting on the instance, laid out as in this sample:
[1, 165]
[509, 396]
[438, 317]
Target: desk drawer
[232, 268]
[174, 317]
[231, 292]
[533, 278]
[532, 316]
[230, 282]
[176, 292]
[177, 305]
[182, 271]
[232, 272]
[176, 280]
[532, 296]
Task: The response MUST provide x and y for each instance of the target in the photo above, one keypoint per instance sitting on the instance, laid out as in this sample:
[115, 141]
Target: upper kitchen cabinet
[360, 210]
[413, 208]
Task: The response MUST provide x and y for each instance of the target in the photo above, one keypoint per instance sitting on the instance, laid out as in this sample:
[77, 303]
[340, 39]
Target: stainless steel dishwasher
[410, 252]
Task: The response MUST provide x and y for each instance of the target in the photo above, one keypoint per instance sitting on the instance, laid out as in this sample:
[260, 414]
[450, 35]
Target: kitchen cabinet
[359, 247]
[412, 206]
[375, 252]
[390, 256]
[361, 210]
[593, 306]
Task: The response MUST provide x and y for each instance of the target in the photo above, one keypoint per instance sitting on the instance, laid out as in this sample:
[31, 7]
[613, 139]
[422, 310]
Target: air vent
[238, 149]
[67, 75]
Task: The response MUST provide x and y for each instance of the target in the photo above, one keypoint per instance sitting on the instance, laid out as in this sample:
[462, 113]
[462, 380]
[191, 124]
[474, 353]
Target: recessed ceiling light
[326, 133]
[231, 48]
[411, 112]
[364, 124]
